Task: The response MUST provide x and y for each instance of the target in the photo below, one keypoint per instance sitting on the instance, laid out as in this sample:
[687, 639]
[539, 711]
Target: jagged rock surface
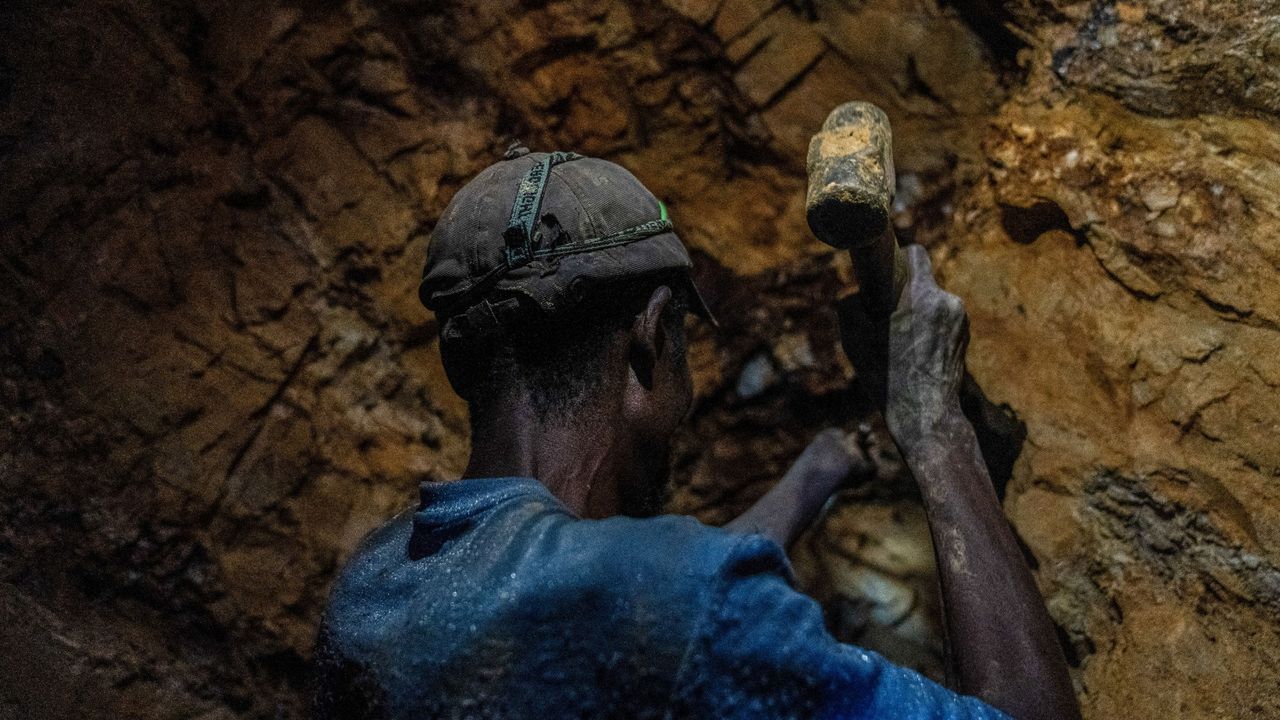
[216, 376]
[1119, 259]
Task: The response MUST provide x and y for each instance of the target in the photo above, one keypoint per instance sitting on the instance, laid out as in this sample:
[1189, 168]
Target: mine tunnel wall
[217, 378]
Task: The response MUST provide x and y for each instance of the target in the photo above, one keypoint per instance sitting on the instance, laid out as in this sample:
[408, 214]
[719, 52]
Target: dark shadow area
[1000, 432]
[1025, 225]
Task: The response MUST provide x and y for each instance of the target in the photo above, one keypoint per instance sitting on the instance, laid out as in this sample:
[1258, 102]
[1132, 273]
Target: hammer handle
[882, 272]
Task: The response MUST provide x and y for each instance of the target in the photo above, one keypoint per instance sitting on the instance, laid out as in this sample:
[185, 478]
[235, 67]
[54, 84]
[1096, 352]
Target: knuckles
[940, 305]
[830, 454]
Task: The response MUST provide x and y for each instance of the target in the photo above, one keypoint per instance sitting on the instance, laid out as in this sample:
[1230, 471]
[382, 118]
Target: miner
[543, 585]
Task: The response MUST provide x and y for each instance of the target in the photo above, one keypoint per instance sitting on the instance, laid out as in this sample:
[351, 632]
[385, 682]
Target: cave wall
[1120, 258]
[216, 376]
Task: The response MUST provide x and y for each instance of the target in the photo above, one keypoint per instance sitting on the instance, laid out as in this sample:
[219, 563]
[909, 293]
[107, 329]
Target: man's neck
[580, 459]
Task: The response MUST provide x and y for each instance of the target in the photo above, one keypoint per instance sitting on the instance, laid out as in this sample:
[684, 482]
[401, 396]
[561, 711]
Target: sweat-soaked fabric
[494, 601]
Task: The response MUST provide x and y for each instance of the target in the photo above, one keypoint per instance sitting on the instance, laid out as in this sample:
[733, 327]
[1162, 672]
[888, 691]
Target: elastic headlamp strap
[525, 211]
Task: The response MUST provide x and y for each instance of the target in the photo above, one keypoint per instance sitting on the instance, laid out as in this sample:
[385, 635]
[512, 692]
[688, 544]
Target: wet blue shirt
[494, 601]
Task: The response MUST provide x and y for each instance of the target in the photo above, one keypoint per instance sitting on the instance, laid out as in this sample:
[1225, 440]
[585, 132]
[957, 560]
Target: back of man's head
[539, 265]
[556, 362]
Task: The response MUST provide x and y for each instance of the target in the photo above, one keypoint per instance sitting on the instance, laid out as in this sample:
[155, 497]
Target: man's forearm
[783, 513]
[1003, 648]
[792, 504]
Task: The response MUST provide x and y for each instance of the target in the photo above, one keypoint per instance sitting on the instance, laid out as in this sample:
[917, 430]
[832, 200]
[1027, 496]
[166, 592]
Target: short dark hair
[559, 359]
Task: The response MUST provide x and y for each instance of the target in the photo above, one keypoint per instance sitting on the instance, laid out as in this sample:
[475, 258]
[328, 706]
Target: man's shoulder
[665, 539]
[679, 559]
[531, 545]
[668, 557]
[527, 566]
[684, 544]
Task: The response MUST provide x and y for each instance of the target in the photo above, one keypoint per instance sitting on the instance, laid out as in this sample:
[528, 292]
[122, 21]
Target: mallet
[851, 185]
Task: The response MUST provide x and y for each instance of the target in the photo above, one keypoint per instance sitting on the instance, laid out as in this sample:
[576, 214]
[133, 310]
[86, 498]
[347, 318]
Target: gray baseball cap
[541, 230]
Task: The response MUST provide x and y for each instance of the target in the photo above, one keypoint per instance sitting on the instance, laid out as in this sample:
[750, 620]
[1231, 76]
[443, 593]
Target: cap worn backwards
[542, 228]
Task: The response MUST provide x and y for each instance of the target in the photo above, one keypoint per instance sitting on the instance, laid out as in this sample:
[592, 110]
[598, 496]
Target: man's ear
[648, 337]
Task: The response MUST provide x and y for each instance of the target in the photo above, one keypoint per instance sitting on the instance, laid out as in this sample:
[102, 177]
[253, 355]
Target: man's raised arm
[1003, 648]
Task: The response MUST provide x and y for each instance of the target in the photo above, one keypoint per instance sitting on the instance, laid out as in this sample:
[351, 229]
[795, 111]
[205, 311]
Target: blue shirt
[494, 601]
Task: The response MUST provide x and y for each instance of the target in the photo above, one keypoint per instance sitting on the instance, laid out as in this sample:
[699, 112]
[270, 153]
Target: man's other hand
[832, 459]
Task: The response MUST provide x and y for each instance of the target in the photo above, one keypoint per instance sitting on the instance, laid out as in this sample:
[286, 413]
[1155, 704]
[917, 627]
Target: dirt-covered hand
[832, 458]
[928, 334]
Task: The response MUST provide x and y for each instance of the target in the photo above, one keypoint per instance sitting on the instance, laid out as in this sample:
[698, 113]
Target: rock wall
[216, 376]
[1119, 259]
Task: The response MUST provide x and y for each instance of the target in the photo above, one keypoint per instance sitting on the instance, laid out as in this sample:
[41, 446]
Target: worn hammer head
[851, 177]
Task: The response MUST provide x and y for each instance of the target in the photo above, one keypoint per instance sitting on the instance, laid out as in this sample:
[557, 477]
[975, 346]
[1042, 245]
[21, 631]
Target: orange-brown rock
[216, 377]
[1118, 258]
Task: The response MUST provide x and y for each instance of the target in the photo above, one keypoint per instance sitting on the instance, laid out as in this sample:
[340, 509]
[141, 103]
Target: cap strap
[524, 211]
[519, 235]
[622, 237]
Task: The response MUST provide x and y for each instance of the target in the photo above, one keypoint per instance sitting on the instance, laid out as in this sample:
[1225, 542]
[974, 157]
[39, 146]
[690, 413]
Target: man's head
[561, 289]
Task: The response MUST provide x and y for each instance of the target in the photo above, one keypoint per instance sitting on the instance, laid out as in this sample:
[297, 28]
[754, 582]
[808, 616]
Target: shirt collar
[445, 503]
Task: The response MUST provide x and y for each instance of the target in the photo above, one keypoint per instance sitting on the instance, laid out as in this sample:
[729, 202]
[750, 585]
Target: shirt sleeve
[762, 651]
